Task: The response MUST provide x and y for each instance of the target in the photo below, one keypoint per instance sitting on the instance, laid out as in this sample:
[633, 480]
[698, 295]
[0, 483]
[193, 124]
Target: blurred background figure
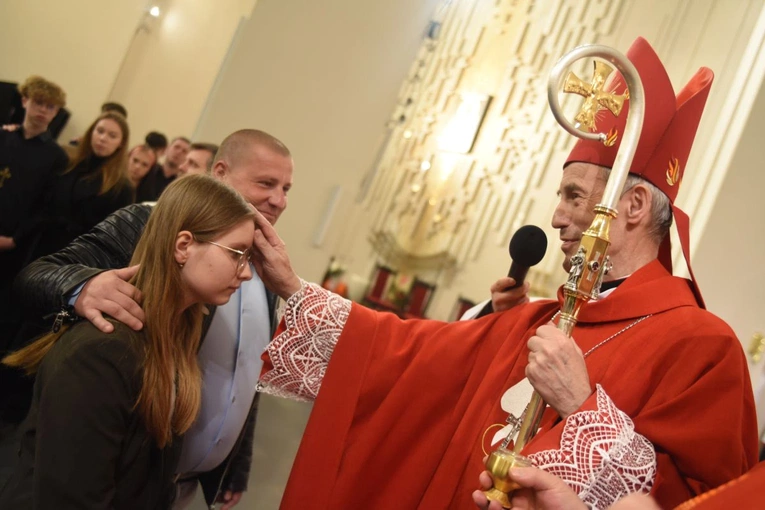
[106, 107]
[199, 159]
[140, 160]
[13, 111]
[163, 174]
[157, 142]
[114, 107]
[29, 161]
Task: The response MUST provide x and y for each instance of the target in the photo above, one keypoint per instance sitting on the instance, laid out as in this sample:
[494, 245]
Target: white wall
[172, 64]
[729, 261]
[78, 44]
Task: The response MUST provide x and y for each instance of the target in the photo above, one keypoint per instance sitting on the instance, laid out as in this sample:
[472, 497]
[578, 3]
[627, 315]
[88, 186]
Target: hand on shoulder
[110, 293]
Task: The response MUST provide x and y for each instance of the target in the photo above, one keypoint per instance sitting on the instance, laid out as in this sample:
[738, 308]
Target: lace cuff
[601, 456]
[314, 319]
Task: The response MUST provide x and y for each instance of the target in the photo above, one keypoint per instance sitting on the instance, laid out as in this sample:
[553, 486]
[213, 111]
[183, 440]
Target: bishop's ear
[183, 242]
[638, 206]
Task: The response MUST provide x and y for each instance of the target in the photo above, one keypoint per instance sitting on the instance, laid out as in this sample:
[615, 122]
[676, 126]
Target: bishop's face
[581, 188]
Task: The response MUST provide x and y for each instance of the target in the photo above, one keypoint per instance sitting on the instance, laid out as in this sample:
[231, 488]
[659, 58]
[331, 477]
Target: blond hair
[39, 89]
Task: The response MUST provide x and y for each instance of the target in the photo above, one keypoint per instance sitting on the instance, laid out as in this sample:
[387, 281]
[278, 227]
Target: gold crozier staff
[591, 262]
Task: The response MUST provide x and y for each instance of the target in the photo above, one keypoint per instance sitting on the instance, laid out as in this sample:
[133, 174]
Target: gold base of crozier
[500, 497]
[498, 465]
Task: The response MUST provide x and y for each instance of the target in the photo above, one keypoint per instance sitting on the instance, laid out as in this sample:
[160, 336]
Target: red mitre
[669, 127]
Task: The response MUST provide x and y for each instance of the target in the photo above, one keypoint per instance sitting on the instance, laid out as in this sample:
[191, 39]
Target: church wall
[78, 44]
[172, 63]
[728, 260]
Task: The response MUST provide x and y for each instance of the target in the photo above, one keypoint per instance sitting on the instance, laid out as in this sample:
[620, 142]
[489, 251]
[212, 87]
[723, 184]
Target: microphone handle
[518, 273]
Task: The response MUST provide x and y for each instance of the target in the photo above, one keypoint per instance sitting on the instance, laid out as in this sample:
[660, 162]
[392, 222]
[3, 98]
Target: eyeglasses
[244, 256]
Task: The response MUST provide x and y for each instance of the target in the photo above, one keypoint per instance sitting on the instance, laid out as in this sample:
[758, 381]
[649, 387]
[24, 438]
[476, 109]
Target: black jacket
[44, 287]
[83, 444]
[75, 205]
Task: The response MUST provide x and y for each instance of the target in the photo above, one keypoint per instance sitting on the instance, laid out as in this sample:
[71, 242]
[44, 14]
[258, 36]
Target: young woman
[108, 408]
[94, 185]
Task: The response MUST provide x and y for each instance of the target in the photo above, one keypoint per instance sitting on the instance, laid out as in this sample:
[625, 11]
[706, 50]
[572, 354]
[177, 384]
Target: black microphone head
[528, 246]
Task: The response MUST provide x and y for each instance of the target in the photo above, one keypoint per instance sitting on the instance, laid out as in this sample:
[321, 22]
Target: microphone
[527, 248]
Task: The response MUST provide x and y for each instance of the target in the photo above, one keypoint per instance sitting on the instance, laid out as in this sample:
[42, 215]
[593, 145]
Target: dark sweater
[27, 169]
[82, 444]
[76, 205]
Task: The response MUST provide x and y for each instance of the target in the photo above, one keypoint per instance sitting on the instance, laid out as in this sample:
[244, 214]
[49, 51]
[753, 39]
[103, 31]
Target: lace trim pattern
[314, 319]
[601, 456]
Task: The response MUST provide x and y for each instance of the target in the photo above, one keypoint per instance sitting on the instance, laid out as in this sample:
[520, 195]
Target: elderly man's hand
[504, 297]
[271, 260]
[557, 370]
[540, 490]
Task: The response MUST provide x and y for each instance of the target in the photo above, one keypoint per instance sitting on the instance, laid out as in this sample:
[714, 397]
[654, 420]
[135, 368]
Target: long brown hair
[114, 170]
[170, 394]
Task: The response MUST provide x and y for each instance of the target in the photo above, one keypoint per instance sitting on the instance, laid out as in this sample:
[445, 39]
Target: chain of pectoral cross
[516, 422]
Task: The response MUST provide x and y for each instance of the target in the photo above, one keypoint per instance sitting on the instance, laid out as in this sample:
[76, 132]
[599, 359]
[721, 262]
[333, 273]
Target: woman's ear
[183, 241]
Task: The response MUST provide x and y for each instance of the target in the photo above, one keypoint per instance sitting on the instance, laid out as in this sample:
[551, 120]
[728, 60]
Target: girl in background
[94, 185]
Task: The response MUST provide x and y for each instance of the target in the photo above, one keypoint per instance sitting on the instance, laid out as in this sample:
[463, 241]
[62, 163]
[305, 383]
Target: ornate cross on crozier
[596, 98]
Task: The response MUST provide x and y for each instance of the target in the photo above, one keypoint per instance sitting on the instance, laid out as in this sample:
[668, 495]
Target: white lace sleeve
[314, 318]
[601, 456]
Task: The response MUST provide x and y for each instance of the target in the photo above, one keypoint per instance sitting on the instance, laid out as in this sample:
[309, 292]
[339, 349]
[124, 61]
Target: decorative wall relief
[471, 138]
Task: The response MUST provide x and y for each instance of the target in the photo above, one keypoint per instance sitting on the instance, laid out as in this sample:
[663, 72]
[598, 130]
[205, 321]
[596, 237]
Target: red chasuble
[743, 493]
[399, 420]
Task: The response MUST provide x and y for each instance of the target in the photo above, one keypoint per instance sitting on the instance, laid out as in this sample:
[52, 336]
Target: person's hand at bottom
[230, 499]
[539, 490]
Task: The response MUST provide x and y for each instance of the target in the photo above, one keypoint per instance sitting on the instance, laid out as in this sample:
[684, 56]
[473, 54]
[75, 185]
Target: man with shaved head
[89, 278]
[265, 188]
